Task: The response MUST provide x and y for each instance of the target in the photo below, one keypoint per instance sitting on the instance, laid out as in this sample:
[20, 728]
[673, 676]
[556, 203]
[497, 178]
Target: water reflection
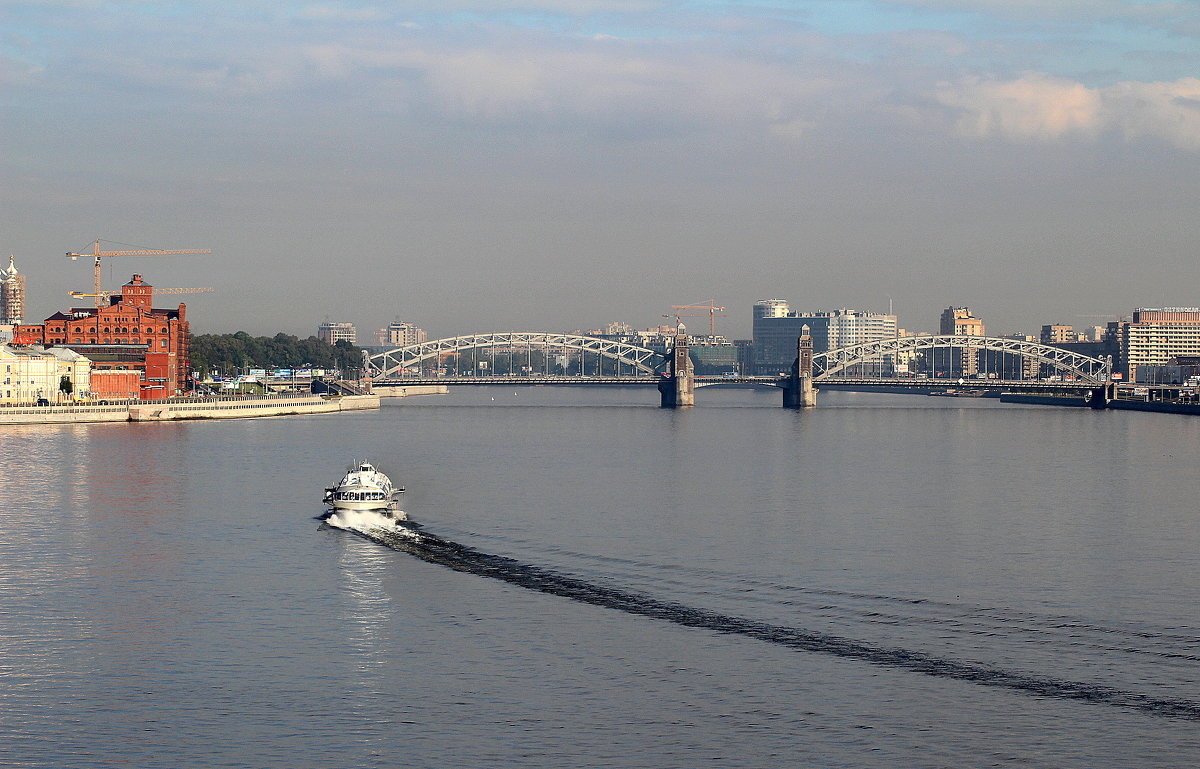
[366, 614]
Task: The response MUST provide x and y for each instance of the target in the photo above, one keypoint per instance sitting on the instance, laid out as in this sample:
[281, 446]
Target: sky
[552, 165]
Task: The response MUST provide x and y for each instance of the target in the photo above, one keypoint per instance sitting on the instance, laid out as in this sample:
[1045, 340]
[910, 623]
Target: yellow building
[31, 373]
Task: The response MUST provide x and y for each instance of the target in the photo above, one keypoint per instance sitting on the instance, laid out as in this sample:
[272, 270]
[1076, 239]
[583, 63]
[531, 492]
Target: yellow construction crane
[106, 294]
[710, 308]
[97, 254]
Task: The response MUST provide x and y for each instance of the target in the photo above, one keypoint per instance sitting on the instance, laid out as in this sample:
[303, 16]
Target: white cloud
[1039, 107]
[781, 81]
[1034, 106]
[602, 81]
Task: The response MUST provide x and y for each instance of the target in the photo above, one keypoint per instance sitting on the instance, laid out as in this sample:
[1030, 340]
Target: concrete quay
[44, 415]
[404, 391]
[222, 407]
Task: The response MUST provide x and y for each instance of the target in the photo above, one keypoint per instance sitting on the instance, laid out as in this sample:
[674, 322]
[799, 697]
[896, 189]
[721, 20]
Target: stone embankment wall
[242, 408]
[41, 415]
[403, 391]
[200, 408]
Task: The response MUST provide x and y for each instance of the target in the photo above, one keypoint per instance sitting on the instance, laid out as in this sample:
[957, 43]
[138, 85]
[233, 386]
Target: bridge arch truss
[393, 363]
[1082, 367]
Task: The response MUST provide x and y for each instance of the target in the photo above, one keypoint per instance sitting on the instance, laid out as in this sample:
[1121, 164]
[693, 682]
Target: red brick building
[127, 334]
[115, 384]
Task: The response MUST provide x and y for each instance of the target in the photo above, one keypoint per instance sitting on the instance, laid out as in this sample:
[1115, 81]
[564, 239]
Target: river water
[884, 581]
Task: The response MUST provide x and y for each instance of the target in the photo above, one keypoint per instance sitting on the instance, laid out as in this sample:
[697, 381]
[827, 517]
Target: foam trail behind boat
[371, 523]
[434, 549]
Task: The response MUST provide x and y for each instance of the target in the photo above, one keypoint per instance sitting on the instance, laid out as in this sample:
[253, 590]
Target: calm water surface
[884, 581]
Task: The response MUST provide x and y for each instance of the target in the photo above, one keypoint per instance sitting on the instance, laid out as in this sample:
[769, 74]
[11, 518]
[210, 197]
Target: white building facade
[333, 332]
[1155, 336]
[32, 373]
[776, 328]
[400, 334]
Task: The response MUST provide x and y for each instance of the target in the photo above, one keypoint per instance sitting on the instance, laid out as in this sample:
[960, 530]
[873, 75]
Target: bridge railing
[391, 363]
[1064, 362]
[641, 361]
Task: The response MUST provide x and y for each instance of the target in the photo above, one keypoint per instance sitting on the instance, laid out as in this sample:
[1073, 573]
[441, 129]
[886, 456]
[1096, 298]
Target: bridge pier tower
[798, 390]
[678, 385]
[1099, 397]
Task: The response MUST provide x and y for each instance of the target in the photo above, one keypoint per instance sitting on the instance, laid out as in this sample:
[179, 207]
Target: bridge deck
[902, 383]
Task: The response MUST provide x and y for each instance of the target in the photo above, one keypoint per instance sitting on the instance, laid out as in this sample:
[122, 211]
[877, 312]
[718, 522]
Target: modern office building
[399, 334]
[713, 355]
[332, 332]
[1154, 336]
[776, 328]
[771, 308]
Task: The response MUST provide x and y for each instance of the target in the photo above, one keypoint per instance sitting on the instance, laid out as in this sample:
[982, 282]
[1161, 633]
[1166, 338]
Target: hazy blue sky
[478, 165]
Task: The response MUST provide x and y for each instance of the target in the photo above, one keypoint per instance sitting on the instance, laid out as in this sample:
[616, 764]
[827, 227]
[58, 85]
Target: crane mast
[106, 294]
[97, 255]
[710, 307]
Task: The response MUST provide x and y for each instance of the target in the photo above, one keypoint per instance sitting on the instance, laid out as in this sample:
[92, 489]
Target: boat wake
[405, 537]
[372, 523]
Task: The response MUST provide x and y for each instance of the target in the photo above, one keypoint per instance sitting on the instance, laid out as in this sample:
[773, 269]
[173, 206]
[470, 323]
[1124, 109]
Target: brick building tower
[127, 334]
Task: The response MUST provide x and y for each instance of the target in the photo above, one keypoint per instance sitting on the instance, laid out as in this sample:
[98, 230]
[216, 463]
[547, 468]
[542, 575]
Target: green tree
[227, 353]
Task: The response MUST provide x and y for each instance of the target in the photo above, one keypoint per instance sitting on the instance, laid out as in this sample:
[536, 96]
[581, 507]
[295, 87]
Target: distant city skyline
[525, 164]
[728, 322]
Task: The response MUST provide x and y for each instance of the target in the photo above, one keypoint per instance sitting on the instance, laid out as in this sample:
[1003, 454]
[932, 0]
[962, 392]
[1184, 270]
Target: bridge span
[542, 358]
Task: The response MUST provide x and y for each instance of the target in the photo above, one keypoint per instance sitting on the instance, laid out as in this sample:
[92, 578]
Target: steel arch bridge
[827, 365]
[391, 363]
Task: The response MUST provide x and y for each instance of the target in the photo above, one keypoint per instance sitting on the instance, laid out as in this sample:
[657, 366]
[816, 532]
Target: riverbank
[221, 407]
[1044, 400]
[1121, 404]
[1161, 407]
[405, 391]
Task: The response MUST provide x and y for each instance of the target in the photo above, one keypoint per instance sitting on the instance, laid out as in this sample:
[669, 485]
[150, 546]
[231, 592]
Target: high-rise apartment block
[776, 329]
[398, 334]
[1154, 336]
[1017, 366]
[332, 333]
[958, 321]
[1059, 333]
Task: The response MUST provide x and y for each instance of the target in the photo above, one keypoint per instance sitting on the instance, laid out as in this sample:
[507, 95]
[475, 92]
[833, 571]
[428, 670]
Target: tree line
[231, 353]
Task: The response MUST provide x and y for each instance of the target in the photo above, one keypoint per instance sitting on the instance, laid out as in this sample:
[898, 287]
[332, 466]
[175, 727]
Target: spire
[9, 271]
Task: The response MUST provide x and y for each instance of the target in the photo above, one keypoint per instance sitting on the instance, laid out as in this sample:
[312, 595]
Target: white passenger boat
[362, 488]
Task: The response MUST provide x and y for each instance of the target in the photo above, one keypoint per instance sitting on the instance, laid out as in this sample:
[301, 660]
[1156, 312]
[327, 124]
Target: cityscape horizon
[532, 164]
[724, 382]
[729, 323]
